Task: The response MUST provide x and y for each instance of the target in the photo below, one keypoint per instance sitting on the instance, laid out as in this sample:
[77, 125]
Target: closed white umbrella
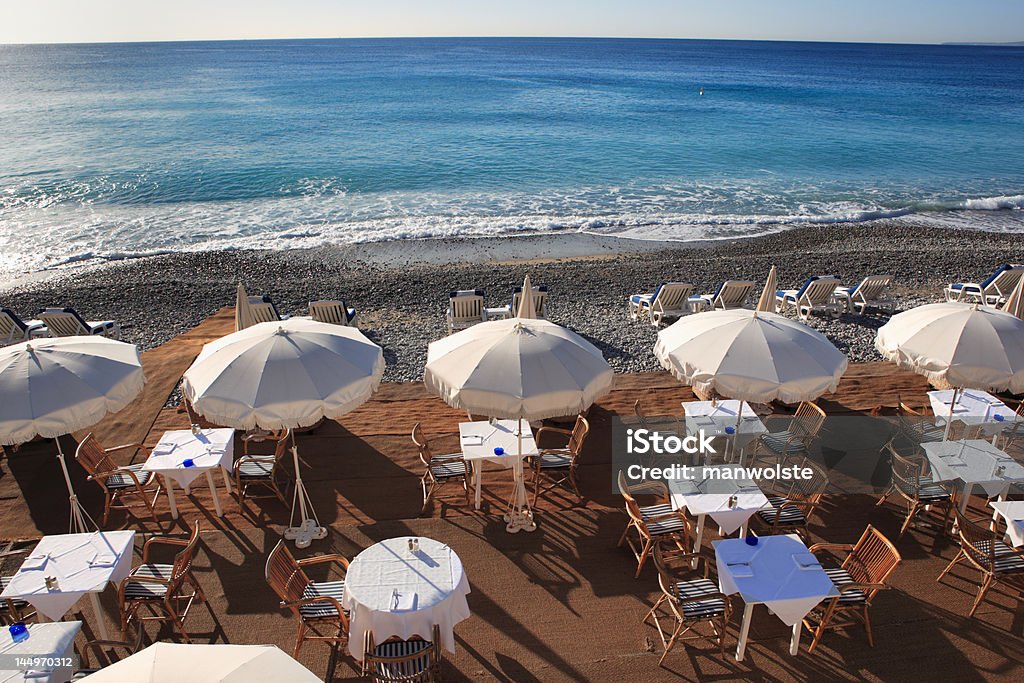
[957, 345]
[52, 387]
[176, 662]
[1015, 303]
[751, 356]
[285, 374]
[766, 302]
[521, 368]
[243, 311]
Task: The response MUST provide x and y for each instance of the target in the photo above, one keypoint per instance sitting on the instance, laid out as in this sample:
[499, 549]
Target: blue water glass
[498, 450]
[19, 632]
[188, 463]
[730, 430]
[751, 539]
[998, 417]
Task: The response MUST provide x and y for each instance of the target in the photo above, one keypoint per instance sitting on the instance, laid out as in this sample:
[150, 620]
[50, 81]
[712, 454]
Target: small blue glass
[19, 632]
[498, 450]
[751, 539]
[188, 463]
[730, 430]
[998, 417]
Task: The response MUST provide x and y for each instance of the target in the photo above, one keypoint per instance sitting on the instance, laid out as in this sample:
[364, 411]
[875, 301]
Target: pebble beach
[400, 288]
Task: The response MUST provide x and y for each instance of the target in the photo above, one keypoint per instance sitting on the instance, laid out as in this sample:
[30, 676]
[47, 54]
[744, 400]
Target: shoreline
[400, 288]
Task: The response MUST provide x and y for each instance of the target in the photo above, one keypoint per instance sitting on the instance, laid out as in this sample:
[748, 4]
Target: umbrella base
[305, 533]
[520, 521]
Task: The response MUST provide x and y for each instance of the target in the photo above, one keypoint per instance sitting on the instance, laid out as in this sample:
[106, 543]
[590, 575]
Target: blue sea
[115, 150]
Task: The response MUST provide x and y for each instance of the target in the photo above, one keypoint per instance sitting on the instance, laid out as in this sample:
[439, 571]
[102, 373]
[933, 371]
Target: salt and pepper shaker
[196, 429]
[414, 545]
[51, 583]
[732, 501]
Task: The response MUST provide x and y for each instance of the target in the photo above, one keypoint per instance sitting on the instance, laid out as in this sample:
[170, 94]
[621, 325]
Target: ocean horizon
[116, 150]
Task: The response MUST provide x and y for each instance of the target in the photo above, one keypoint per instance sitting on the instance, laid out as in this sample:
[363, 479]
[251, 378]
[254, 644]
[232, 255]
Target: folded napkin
[472, 440]
[104, 559]
[403, 602]
[740, 570]
[806, 561]
[33, 562]
[163, 449]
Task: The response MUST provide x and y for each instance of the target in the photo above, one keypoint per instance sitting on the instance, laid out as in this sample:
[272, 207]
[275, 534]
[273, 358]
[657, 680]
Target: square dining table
[975, 409]
[479, 439]
[973, 462]
[780, 573]
[719, 417]
[182, 457]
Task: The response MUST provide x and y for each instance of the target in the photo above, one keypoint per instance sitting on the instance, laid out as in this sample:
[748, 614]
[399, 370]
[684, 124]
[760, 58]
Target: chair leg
[959, 556]
[981, 594]
[643, 558]
[867, 627]
[300, 637]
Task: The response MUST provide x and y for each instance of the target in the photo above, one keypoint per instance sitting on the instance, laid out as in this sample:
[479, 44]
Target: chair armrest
[103, 476]
[847, 587]
[319, 598]
[667, 515]
[848, 547]
[321, 559]
[161, 540]
[124, 447]
[553, 430]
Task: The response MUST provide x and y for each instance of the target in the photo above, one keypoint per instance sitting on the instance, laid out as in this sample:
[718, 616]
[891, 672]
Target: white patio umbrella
[1015, 303]
[958, 346]
[52, 387]
[243, 311]
[285, 374]
[766, 302]
[175, 662]
[521, 368]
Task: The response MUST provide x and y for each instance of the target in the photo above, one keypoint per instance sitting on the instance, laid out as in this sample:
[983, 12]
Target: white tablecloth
[1013, 512]
[973, 462]
[208, 450]
[709, 495]
[53, 640]
[713, 419]
[479, 439]
[771, 574]
[428, 588]
[81, 563]
[974, 408]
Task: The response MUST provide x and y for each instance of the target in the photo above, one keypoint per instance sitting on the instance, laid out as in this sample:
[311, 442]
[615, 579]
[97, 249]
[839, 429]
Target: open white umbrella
[520, 368]
[176, 662]
[285, 374]
[957, 345]
[52, 387]
[243, 311]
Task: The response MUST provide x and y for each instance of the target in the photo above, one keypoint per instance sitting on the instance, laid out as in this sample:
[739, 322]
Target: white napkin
[741, 570]
[806, 561]
[33, 562]
[103, 559]
[403, 602]
[472, 440]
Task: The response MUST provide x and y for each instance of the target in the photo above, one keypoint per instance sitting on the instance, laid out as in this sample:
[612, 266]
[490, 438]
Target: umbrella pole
[309, 527]
[949, 420]
[520, 516]
[78, 515]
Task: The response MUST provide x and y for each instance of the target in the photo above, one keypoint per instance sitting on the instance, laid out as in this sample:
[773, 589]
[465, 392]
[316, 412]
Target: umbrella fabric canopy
[277, 375]
[517, 368]
[1015, 304]
[957, 345]
[174, 662]
[751, 356]
[52, 387]
[243, 311]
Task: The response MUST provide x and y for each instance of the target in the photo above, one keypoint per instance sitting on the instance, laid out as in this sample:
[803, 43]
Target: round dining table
[395, 590]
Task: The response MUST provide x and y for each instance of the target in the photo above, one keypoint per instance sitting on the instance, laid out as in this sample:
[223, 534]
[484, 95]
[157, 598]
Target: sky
[906, 21]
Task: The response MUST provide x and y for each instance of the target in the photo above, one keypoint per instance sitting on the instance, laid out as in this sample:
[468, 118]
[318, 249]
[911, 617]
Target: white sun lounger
[730, 294]
[333, 312]
[264, 310]
[465, 309]
[540, 301]
[816, 295]
[668, 300]
[13, 329]
[868, 293]
[992, 291]
[66, 322]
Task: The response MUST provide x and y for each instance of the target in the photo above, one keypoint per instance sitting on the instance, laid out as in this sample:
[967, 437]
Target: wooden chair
[1014, 434]
[558, 465]
[12, 611]
[96, 654]
[162, 588]
[864, 572]
[804, 427]
[997, 562]
[687, 601]
[793, 502]
[916, 426]
[117, 481]
[262, 471]
[911, 479]
[439, 469]
[651, 522]
[315, 605]
[403, 661]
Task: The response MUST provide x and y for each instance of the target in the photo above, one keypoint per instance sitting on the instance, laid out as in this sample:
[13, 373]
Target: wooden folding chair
[115, 480]
[982, 549]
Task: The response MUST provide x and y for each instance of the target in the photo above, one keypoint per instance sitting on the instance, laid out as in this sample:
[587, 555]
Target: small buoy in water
[702, 92]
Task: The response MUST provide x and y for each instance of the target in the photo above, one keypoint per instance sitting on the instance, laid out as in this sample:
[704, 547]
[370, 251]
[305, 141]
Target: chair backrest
[578, 436]
[284, 575]
[403, 661]
[540, 300]
[1002, 281]
[422, 445]
[632, 507]
[872, 287]
[808, 420]
[673, 296]
[640, 413]
[64, 322]
[466, 305]
[977, 542]
[328, 311]
[732, 294]
[810, 489]
[873, 560]
[11, 327]
[93, 459]
[183, 560]
[263, 309]
[906, 473]
[817, 290]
